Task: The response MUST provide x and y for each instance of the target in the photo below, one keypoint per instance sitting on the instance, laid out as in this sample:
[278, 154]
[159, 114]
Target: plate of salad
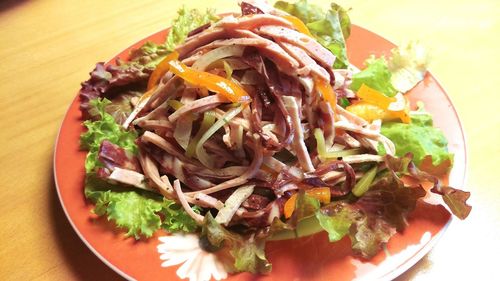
[281, 142]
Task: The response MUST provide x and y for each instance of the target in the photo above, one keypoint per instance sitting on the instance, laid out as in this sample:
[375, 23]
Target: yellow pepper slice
[160, 70]
[299, 25]
[320, 193]
[326, 91]
[374, 97]
[375, 105]
[212, 82]
[367, 111]
[371, 112]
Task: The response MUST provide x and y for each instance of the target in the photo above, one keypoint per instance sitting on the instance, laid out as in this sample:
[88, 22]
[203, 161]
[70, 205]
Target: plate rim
[395, 272]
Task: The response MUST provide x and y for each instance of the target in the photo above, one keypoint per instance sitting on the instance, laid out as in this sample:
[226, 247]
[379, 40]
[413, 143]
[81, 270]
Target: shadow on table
[81, 261]
[6, 5]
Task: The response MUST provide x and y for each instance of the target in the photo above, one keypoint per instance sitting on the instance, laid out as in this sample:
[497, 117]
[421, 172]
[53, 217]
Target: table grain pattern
[47, 48]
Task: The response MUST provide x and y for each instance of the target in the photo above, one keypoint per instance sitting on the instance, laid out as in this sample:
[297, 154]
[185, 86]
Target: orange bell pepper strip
[326, 91]
[320, 193]
[160, 70]
[299, 25]
[370, 112]
[228, 89]
[374, 97]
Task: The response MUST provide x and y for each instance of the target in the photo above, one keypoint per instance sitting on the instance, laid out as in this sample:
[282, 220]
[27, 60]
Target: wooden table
[47, 48]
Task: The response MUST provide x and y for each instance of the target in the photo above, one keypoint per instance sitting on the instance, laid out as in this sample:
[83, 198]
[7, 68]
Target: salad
[252, 127]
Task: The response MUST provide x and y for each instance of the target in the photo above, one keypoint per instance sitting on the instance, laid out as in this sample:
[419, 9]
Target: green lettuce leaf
[246, 254]
[335, 220]
[175, 219]
[376, 75]
[140, 213]
[129, 210]
[149, 55]
[187, 20]
[105, 128]
[419, 138]
[330, 28]
[367, 231]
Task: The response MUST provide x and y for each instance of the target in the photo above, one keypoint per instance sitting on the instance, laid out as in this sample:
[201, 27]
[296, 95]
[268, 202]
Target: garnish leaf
[140, 213]
[104, 128]
[420, 138]
[376, 75]
[246, 254]
[331, 29]
[186, 21]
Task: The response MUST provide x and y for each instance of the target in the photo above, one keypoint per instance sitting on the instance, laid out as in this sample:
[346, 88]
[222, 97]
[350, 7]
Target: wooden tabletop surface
[47, 48]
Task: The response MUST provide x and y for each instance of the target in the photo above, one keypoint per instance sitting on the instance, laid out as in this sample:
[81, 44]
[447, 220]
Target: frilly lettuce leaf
[419, 138]
[367, 231]
[149, 55]
[388, 199]
[245, 254]
[330, 28]
[186, 21]
[104, 128]
[336, 220]
[408, 65]
[175, 219]
[456, 199]
[139, 213]
[376, 75]
[129, 210]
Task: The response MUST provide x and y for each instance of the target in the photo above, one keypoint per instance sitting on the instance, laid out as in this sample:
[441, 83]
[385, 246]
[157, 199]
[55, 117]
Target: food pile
[251, 127]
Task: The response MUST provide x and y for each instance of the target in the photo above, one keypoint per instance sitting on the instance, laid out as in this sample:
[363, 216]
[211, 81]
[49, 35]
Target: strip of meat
[318, 52]
[250, 173]
[182, 199]
[206, 201]
[388, 145]
[352, 118]
[112, 156]
[200, 39]
[175, 167]
[150, 137]
[356, 128]
[268, 48]
[328, 120]
[361, 158]
[162, 91]
[151, 171]
[212, 100]
[223, 173]
[236, 121]
[155, 125]
[251, 22]
[298, 137]
[232, 203]
[129, 177]
[273, 79]
[350, 180]
[221, 154]
[307, 63]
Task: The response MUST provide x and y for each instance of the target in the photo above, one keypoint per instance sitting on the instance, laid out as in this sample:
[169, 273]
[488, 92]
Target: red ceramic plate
[310, 258]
